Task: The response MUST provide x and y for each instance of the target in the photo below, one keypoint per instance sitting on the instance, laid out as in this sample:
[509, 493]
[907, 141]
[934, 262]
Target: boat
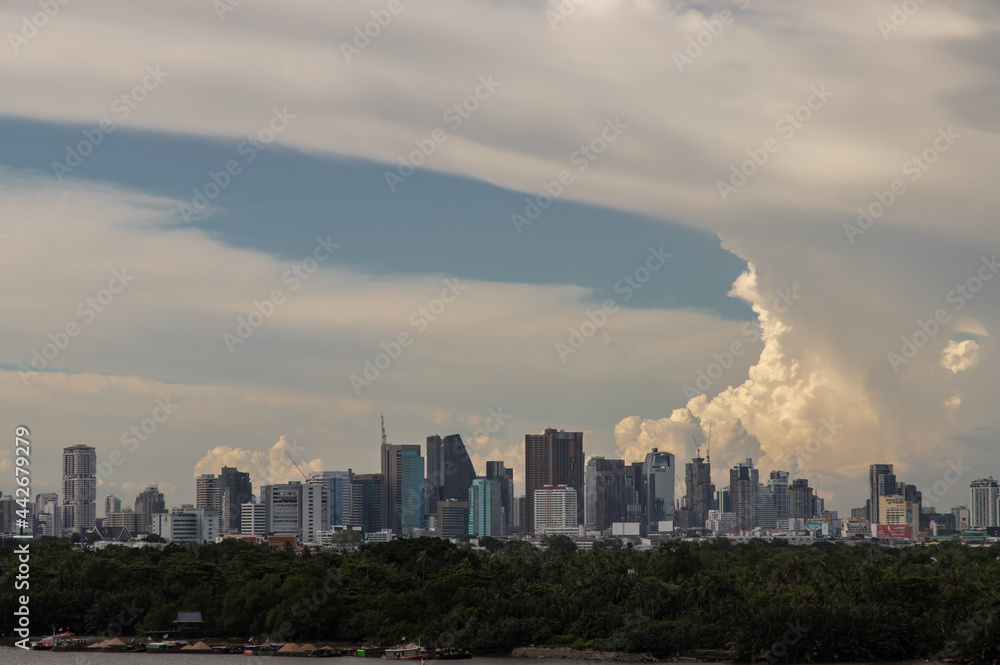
[64, 641]
[409, 652]
[165, 646]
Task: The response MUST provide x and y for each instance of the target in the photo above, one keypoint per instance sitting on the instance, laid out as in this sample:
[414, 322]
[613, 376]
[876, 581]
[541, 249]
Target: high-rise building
[724, 500]
[659, 471]
[149, 502]
[555, 510]
[699, 492]
[767, 512]
[449, 471]
[778, 486]
[48, 514]
[606, 500]
[210, 495]
[236, 484]
[521, 514]
[983, 503]
[800, 499]
[881, 482]
[485, 503]
[496, 470]
[79, 510]
[112, 504]
[297, 510]
[744, 483]
[403, 492]
[452, 518]
[553, 458]
[635, 494]
[253, 519]
[339, 485]
[366, 502]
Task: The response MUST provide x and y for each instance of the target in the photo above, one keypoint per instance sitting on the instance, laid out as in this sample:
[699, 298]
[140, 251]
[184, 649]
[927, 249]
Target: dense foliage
[771, 602]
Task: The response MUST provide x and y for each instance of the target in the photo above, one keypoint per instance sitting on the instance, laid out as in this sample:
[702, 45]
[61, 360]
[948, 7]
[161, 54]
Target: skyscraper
[240, 489]
[658, 472]
[800, 499]
[486, 516]
[555, 510]
[881, 482]
[449, 470]
[339, 485]
[149, 502]
[699, 491]
[496, 470]
[778, 485]
[744, 484]
[404, 491]
[635, 494]
[294, 509]
[366, 502]
[209, 495]
[983, 508]
[79, 512]
[553, 458]
[606, 500]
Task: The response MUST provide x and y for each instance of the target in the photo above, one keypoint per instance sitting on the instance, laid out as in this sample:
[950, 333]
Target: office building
[366, 502]
[521, 514]
[253, 519]
[187, 525]
[149, 502]
[403, 491]
[486, 517]
[881, 482]
[297, 510]
[767, 513]
[449, 471]
[744, 484]
[496, 470]
[800, 499]
[659, 471]
[339, 485]
[452, 518]
[777, 484]
[635, 494]
[555, 510]
[719, 522]
[606, 500]
[236, 486]
[699, 492]
[962, 516]
[210, 495]
[984, 495]
[79, 509]
[553, 458]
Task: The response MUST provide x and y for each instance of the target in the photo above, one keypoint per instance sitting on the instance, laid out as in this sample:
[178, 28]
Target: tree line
[761, 601]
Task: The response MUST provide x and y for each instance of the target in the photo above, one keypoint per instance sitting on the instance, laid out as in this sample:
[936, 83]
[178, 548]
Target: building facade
[452, 518]
[555, 510]
[149, 502]
[486, 517]
[659, 471]
[553, 458]
[238, 489]
[607, 500]
[79, 509]
[744, 484]
[450, 471]
[48, 514]
[881, 482]
[187, 525]
[366, 502]
[984, 496]
[339, 485]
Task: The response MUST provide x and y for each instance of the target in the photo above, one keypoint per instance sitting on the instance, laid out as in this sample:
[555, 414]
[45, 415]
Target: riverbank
[580, 654]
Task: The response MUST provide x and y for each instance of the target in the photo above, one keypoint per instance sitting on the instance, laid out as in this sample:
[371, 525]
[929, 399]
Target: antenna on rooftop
[708, 452]
[383, 428]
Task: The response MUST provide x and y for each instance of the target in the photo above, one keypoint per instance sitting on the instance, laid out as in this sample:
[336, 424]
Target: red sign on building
[892, 530]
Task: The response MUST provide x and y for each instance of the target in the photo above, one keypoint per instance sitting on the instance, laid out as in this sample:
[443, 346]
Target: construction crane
[296, 465]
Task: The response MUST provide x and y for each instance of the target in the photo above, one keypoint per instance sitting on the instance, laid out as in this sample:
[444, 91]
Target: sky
[232, 229]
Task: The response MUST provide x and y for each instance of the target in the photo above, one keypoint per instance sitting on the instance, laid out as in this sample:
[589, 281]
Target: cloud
[960, 356]
[270, 467]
